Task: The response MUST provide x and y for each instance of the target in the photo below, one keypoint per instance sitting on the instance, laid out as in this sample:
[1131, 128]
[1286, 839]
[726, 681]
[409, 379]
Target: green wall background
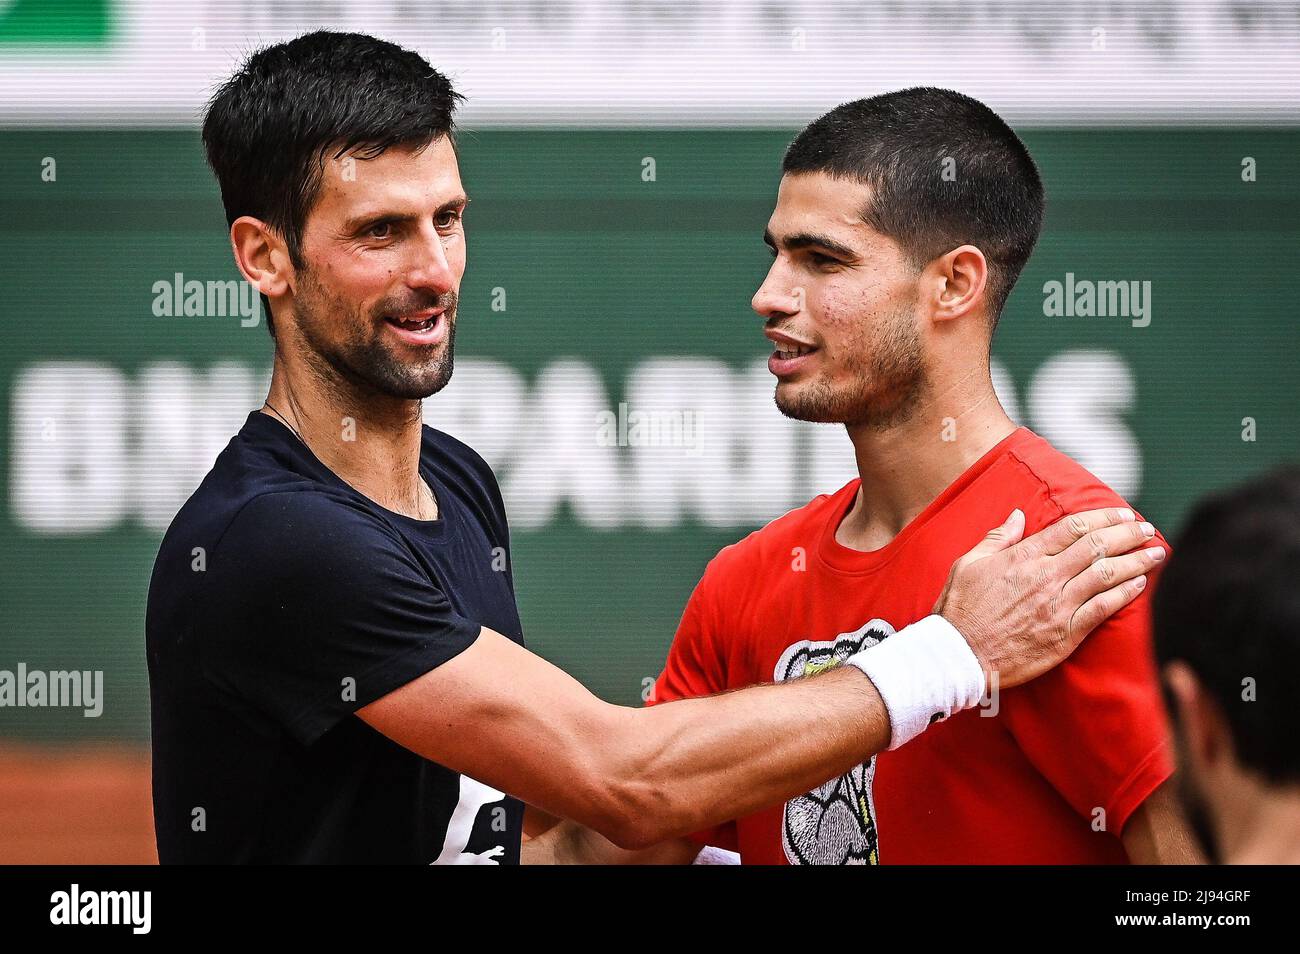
[611, 269]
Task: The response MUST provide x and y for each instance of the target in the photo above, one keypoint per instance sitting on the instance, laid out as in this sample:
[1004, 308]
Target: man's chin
[395, 375]
[818, 405]
[418, 387]
[798, 404]
[800, 412]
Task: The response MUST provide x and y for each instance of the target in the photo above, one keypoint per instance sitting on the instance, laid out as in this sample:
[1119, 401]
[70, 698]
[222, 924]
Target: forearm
[694, 763]
[637, 776]
[509, 719]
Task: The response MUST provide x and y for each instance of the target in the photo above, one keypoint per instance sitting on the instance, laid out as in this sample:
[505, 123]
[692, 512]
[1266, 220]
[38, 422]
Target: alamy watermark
[57, 689]
[178, 297]
[133, 909]
[1085, 298]
[656, 428]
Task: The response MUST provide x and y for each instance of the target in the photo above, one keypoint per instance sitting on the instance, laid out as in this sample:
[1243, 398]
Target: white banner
[716, 62]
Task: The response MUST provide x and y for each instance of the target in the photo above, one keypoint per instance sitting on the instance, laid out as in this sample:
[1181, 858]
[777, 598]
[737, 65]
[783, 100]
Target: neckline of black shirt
[435, 529]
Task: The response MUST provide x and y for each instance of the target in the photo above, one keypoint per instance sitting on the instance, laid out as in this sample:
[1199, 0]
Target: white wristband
[925, 672]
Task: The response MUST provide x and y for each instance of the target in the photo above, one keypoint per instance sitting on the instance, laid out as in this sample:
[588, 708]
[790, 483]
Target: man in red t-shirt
[1050, 773]
[901, 225]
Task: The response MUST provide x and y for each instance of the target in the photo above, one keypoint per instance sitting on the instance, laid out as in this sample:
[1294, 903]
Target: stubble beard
[362, 360]
[888, 380]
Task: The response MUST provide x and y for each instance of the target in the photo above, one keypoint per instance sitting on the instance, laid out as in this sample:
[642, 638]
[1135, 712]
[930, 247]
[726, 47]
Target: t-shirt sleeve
[315, 608]
[694, 668]
[1095, 725]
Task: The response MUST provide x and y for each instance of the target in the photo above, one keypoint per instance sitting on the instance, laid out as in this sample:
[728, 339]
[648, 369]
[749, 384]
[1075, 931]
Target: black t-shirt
[281, 602]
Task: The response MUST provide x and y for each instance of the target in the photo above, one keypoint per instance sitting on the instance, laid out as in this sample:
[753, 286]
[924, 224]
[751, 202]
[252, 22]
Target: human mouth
[795, 352]
[788, 354]
[426, 327]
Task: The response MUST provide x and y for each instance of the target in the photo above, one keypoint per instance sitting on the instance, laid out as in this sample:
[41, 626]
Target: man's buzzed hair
[901, 144]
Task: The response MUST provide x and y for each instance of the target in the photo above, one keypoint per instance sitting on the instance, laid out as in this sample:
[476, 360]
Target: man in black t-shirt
[336, 663]
[282, 601]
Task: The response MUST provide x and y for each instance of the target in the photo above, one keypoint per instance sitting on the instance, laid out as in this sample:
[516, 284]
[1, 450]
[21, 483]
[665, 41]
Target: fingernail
[1148, 530]
[1140, 584]
[1126, 514]
[1156, 554]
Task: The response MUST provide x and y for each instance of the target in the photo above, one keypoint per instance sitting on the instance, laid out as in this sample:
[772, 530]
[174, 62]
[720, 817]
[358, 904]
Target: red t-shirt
[1051, 778]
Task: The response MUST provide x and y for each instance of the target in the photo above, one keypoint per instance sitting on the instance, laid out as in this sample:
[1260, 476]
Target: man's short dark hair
[269, 128]
[1228, 605]
[944, 171]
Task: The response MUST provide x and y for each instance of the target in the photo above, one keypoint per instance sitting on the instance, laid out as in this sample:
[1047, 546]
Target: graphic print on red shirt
[1049, 774]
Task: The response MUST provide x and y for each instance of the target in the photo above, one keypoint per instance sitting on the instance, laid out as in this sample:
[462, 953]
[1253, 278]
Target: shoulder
[257, 462]
[317, 533]
[457, 453]
[464, 465]
[737, 577]
[316, 510]
[1060, 484]
[240, 564]
[786, 538]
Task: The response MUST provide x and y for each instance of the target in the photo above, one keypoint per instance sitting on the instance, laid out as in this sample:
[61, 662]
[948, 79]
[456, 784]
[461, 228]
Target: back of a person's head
[1228, 605]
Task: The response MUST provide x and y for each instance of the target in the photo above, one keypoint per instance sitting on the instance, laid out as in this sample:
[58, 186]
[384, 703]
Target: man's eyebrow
[375, 216]
[802, 240]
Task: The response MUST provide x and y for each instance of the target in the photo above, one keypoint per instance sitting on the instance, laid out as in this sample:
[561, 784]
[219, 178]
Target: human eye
[447, 219]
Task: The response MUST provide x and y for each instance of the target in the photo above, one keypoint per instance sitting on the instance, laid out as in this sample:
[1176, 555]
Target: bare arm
[1157, 833]
[639, 776]
[510, 719]
[570, 843]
